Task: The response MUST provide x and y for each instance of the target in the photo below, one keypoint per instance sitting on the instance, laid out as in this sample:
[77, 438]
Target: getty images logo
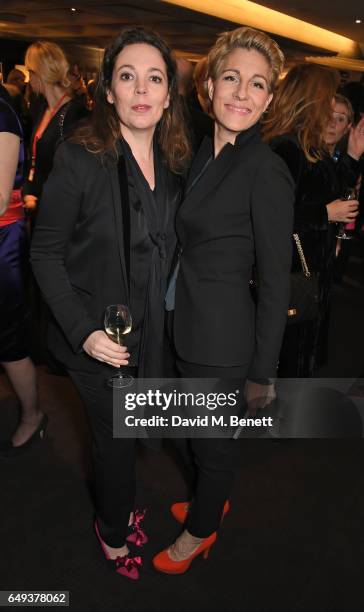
[164, 401]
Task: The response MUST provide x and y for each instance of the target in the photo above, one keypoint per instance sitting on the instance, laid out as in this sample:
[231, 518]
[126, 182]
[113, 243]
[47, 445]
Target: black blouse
[151, 223]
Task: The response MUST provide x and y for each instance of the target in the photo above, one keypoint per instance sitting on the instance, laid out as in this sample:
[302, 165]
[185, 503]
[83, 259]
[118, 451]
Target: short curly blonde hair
[246, 38]
[48, 61]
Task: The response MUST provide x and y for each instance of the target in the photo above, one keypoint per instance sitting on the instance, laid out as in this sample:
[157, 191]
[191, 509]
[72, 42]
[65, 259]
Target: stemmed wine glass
[118, 323]
[350, 194]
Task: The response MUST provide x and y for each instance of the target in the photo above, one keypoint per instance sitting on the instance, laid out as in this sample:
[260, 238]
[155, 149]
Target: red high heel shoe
[180, 510]
[137, 536]
[163, 562]
[126, 566]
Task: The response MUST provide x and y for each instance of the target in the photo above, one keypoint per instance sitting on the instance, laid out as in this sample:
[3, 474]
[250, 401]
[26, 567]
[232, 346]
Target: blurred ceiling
[95, 22]
[336, 16]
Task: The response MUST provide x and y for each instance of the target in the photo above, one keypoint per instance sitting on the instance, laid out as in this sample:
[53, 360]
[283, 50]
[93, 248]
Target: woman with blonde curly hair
[58, 112]
[237, 212]
[295, 126]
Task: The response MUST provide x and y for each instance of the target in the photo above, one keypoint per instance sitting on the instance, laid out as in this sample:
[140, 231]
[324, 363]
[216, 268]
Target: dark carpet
[293, 540]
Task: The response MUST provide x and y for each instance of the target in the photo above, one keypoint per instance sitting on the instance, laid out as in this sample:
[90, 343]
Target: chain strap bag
[304, 300]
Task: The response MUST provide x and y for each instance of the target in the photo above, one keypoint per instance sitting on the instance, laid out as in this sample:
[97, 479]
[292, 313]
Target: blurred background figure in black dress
[14, 315]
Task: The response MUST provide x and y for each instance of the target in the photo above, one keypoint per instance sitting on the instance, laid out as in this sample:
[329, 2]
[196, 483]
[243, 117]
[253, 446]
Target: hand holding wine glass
[118, 323]
[99, 346]
[346, 229]
[342, 211]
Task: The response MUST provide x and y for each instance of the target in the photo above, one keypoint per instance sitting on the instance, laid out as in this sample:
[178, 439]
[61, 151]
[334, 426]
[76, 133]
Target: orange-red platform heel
[163, 563]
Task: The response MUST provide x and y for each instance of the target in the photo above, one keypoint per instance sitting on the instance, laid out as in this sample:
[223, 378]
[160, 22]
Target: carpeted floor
[293, 540]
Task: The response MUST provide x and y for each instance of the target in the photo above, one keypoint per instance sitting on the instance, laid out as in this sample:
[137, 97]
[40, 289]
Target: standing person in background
[237, 212]
[17, 79]
[341, 120]
[354, 91]
[336, 141]
[16, 86]
[78, 85]
[105, 235]
[14, 354]
[58, 113]
[295, 127]
[48, 76]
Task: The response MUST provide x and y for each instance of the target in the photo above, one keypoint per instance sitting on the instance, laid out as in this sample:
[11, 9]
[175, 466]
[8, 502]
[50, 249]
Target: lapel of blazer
[115, 189]
[201, 159]
[202, 182]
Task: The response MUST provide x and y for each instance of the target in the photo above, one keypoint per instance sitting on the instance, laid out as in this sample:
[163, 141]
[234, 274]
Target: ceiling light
[357, 20]
[73, 9]
[257, 16]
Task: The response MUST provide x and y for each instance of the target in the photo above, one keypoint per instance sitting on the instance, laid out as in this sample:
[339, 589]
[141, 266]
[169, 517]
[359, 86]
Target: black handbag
[304, 300]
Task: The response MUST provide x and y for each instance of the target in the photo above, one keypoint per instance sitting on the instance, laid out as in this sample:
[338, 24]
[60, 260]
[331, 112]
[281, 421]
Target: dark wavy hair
[100, 133]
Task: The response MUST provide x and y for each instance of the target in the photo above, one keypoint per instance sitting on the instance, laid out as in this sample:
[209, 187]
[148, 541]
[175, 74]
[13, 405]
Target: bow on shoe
[128, 562]
[139, 515]
[138, 536]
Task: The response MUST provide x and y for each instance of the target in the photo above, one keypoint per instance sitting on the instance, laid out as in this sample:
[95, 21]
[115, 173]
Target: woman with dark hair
[105, 235]
[296, 127]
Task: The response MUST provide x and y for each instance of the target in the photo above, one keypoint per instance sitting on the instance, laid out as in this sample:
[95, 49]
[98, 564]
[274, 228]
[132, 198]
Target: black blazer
[77, 250]
[238, 213]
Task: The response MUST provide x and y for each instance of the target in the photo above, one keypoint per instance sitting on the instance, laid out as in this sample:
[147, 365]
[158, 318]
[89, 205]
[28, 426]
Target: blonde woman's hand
[99, 346]
[342, 211]
[258, 396]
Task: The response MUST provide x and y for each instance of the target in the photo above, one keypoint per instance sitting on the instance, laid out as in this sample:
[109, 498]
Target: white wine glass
[118, 323]
[346, 229]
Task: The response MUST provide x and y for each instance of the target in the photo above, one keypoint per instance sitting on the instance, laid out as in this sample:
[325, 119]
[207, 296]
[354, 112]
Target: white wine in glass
[118, 323]
[346, 229]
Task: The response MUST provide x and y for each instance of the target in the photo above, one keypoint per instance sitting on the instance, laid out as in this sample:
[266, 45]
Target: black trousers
[113, 458]
[209, 462]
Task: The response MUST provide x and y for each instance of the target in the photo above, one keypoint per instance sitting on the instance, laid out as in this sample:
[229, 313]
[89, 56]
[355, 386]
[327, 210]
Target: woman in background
[48, 75]
[14, 352]
[336, 140]
[295, 127]
[340, 122]
[57, 114]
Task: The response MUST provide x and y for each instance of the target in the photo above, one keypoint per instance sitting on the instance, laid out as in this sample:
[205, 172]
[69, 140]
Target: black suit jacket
[236, 214]
[77, 250]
